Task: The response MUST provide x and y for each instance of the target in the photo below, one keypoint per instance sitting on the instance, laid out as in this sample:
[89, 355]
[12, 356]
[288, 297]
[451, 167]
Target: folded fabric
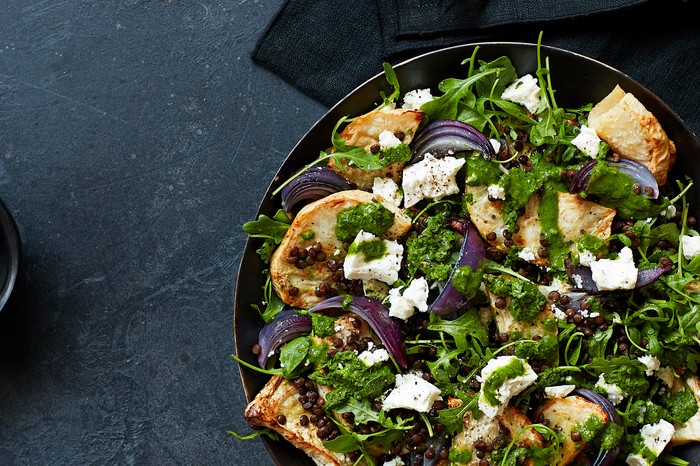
[326, 49]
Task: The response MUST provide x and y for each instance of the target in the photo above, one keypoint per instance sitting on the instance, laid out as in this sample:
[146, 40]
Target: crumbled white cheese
[652, 362]
[558, 391]
[371, 358]
[669, 212]
[395, 461]
[666, 375]
[497, 192]
[413, 100]
[612, 391]
[524, 91]
[508, 389]
[618, 274]
[385, 268]
[526, 254]
[586, 258]
[587, 141]
[578, 280]
[403, 305]
[388, 190]
[655, 438]
[412, 392]
[387, 140]
[431, 178]
[559, 313]
[691, 246]
[496, 145]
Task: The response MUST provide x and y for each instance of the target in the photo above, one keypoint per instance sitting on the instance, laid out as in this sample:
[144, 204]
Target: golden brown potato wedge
[633, 132]
[690, 431]
[364, 132]
[564, 414]
[512, 421]
[576, 217]
[320, 217]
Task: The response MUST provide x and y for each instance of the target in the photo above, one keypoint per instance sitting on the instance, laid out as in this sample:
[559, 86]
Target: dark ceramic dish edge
[10, 245]
[422, 71]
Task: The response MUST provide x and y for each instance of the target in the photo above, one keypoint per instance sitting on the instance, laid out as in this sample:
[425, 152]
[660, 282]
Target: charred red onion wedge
[582, 277]
[635, 170]
[444, 137]
[605, 457]
[311, 185]
[377, 317]
[472, 253]
[285, 326]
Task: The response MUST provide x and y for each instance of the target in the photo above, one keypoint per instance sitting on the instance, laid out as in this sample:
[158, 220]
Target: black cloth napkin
[326, 48]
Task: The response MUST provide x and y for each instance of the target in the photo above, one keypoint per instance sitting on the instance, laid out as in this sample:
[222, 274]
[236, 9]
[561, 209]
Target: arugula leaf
[394, 82]
[273, 303]
[266, 227]
[468, 324]
[292, 355]
[453, 418]
[445, 107]
[361, 409]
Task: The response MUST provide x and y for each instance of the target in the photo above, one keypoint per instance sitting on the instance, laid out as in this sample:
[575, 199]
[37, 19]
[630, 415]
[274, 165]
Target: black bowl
[577, 80]
[9, 254]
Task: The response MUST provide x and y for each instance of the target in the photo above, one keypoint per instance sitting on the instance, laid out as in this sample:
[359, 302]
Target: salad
[475, 275]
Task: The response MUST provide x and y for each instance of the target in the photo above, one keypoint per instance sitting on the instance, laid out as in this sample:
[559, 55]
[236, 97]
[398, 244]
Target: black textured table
[135, 138]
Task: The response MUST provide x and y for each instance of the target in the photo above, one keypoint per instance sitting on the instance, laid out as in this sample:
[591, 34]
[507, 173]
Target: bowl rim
[273, 446]
[9, 229]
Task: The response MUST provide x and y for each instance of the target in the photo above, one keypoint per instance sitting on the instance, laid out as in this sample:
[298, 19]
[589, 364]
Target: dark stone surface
[135, 139]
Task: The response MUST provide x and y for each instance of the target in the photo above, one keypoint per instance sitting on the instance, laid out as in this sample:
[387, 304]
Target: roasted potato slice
[633, 132]
[280, 397]
[564, 414]
[511, 421]
[506, 323]
[690, 431]
[320, 217]
[576, 217]
[364, 132]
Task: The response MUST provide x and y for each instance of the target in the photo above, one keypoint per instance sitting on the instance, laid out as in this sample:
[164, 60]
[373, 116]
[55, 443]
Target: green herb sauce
[322, 325]
[546, 349]
[350, 377]
[460, 456]
[590, 428]
[611, 436]
[399, 153]
[526, 299]
[494, 381]
[433, 250]
[615, 189]
[482, 172]
[681, 406]
[467, 280]
[631, 379]
[371, 217]
[548, 212]
[370, 250]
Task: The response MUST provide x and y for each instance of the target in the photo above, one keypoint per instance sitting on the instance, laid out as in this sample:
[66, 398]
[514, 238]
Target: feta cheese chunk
[370, 358]
[412, 392]
[496, 144]
[612, 391]
[385, 268]
[431, 178]
[558, 391]
[403, 305]
[526, 254]
[502, 378]
[388, 190]
[652, 362]
[691, 246]
[387, 140]
[524, 91]
[413, 100]
[497, 192]
[586, 258]
[666, 375]
[587, 141]
[655, 438]
[396, 461]
[618, 274]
